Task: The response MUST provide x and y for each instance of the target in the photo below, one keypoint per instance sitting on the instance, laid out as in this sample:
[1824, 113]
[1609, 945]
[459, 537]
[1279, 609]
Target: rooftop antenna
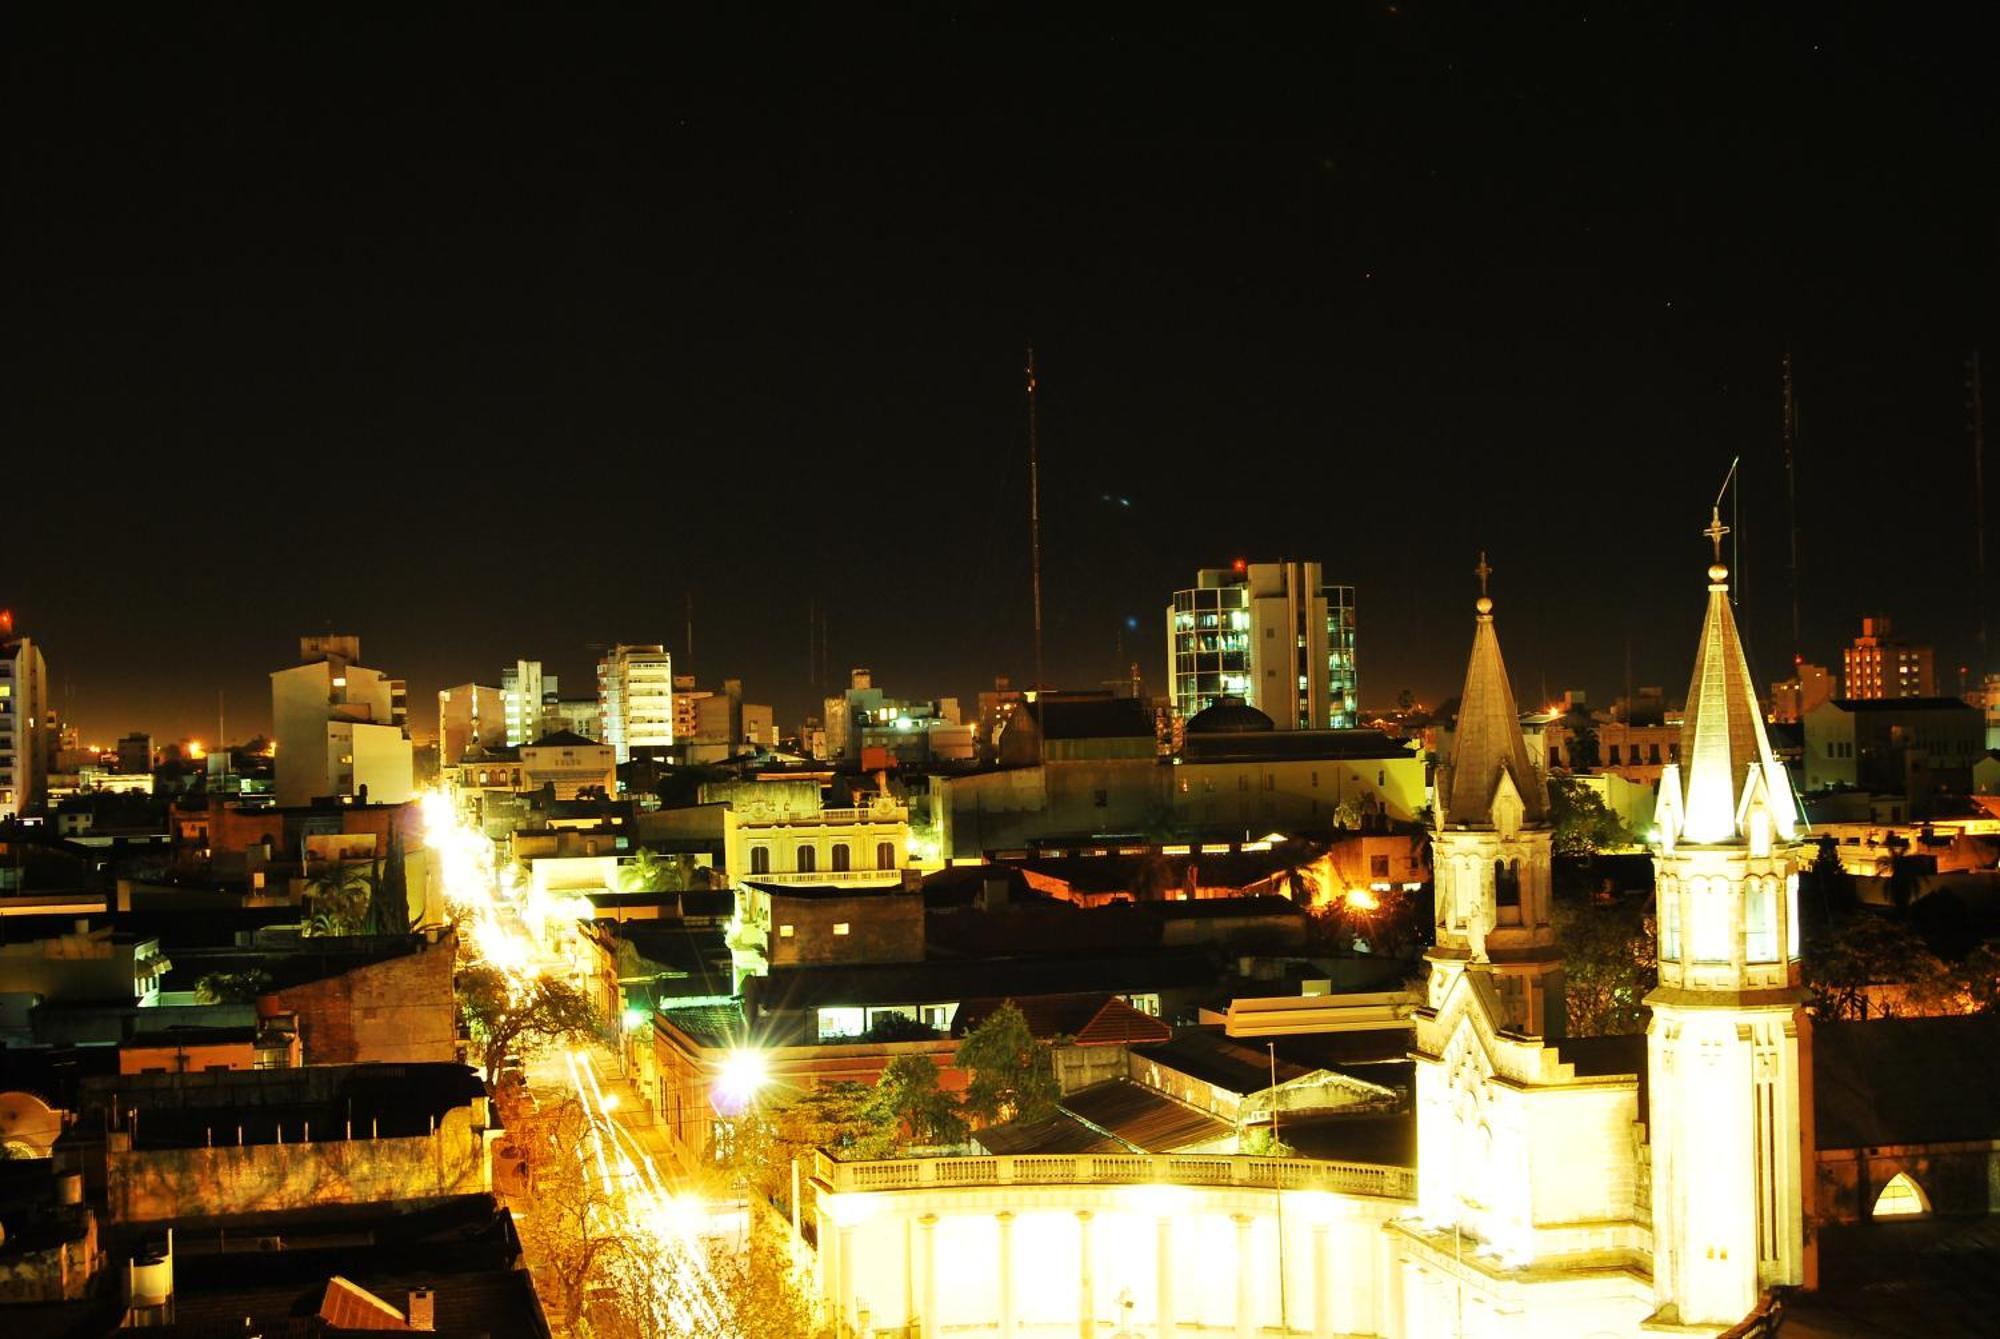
[1736, 544]
[690, 632]
[1791, 436]
[1978, 407]
[1035, 512]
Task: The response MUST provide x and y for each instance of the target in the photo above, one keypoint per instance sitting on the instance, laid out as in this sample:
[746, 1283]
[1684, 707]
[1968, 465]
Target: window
[1100, 798]
[1145, 1004]
[885, 855]
[808, 860]
[760, 860]
[1708, 936]
[785, 932]
[840, 857]
[1902, 1197]
[1760, 921]
[840, 927]
[1614, 755]
[1270, 781]
[1670, 921]
[1506, 883]
[841, 1023]
[1378, 867]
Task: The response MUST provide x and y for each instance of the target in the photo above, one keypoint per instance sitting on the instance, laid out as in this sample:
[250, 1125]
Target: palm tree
[337, 898]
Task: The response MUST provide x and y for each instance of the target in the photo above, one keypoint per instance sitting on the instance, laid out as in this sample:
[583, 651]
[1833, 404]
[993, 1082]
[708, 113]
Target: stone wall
[153, 1183]
[399, 1011]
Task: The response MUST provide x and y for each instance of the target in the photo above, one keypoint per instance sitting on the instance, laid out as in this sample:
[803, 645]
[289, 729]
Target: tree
[1981, 970]
[337, 900]
[1013, 1074]
[507, 1018]
[389, 894]
[908, 1095]
[232, 987]
[1583, 752]
[1610, 963]
[1584, 824]
[650, 873]
[1877, 951]
[1826, 893]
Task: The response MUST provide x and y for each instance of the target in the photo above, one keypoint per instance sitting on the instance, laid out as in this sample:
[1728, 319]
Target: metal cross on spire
[1482, 571]
[1716, 530]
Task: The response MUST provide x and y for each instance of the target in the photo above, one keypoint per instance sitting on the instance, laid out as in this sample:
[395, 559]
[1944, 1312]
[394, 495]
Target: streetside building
[25, 736]
[470, 716]
[1916, 747]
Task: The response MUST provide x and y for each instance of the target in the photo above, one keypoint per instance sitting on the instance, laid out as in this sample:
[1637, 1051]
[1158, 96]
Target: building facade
[1877, 665]
[470, 716]
[1273, 634]
[524, 691]
[339, 728]
[635, 697]
[24, 723]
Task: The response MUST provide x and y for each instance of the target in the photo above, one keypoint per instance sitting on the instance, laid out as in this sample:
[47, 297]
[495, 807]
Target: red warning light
[1241, 565]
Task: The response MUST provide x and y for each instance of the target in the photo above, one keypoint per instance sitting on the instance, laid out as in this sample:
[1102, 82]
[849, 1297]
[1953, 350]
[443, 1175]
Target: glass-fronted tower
[1275, 635]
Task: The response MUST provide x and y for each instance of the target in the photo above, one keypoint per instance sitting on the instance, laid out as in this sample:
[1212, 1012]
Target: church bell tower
[1491, 851]
[1729, 1040]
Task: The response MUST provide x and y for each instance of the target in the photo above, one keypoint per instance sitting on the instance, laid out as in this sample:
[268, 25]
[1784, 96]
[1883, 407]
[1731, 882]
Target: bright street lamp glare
[743, 1073]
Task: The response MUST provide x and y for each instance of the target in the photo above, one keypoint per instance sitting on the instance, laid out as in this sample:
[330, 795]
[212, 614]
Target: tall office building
[1275, 635]
[529, 697]
[635, 697]
[339, 728]
[1878, 665]
[24, 722]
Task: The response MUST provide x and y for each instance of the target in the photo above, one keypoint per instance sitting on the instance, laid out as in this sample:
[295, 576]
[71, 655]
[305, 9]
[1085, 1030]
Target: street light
[744, 1071]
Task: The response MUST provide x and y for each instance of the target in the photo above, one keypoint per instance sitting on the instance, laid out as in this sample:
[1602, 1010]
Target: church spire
[1725, 756]
[1487, 750]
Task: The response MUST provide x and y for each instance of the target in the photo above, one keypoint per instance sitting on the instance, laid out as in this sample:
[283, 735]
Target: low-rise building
[1912, 746]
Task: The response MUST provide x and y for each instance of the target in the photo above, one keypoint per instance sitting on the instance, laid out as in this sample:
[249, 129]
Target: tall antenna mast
[1035, 513]
[690, 632]
[1979, 495]
[1735, 545]
[1792, 501]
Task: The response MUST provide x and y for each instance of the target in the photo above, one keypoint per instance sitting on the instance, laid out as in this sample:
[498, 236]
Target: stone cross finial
[1482, 571]
[1716, 530]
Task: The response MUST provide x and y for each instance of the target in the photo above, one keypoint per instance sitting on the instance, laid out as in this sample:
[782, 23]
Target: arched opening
[760, 860]
[1901, 1198]
[808, 860]
[840, 857]
[885, 855]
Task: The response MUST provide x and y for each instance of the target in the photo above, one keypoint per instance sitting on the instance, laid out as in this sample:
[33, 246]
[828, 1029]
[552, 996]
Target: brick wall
[396, 1011]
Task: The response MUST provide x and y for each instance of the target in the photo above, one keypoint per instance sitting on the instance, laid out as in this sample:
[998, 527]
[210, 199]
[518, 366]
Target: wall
[881, 927]
[397, 1011]
[147, 1184]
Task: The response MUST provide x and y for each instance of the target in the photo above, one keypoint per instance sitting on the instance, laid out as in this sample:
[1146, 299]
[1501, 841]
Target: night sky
[486, 336]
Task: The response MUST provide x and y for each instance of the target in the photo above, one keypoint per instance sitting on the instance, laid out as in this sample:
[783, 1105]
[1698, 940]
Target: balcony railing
[1124, 1169]
[858, 878]
[894, 813]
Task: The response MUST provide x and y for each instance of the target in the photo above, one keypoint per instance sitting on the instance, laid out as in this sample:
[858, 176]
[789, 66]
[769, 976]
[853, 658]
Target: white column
[1246, 1293]
[1086, 1291]
[1007, 1329]
[843, 1263]
[1322, 1285]
[927, 1326]
[1165, 1279]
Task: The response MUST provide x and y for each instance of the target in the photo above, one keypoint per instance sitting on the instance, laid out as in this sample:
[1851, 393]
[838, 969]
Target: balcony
[1131, 1169]
[888, 813]
[843, 878]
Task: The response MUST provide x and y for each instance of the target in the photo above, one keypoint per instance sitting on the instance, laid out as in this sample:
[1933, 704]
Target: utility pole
[1035, 513]
[1792, 502]
[1978, 407]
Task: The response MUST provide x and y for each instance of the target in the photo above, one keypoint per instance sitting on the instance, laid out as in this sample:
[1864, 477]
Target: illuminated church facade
[1587, 1187]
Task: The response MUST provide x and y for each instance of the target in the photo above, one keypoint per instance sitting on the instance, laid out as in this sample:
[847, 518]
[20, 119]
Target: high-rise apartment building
[1793, 698]
[1878, 665]
[339, 728]
[24, 722]
[635, 698]
[1273, 634]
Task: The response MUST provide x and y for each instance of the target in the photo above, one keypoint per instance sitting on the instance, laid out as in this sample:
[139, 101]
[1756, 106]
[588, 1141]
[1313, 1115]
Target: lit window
[1709, 931]
[1760, 921]
[841, 1023]
[1901, 1198]
[1670, 921]
[840, 927]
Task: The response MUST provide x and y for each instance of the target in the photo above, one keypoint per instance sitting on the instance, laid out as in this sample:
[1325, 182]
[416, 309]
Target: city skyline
[375, 355]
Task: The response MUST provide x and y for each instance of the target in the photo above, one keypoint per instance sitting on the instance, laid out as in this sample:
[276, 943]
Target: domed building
[1229, 715]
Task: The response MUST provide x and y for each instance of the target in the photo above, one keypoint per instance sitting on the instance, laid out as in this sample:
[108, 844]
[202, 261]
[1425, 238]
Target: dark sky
[486, 336]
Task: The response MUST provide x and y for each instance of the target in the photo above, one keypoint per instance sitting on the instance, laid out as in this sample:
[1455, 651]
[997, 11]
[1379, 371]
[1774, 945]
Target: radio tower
[1792, 502]
[1978, 407]
[1035, 514]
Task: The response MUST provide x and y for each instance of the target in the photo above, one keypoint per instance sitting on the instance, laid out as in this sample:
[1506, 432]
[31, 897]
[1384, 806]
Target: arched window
[840, 858]
[1901, 1198]
[1760, 921]
[808, 860]
[760, 860]
[1670, 920]
[885, 855]
[1506, 883]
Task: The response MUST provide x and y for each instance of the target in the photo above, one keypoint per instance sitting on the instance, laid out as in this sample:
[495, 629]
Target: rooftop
[1906, 1081]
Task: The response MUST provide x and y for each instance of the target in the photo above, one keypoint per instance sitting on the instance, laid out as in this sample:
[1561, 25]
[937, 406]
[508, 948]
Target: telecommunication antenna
[1978, 407]
[1035, 513]
[1792, 500]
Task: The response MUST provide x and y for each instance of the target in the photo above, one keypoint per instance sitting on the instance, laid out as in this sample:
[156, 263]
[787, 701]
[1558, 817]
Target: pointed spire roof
[1487, 744]
[1725, 753]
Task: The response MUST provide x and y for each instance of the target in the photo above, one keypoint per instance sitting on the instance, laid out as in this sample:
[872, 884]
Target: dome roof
[1229, 715]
